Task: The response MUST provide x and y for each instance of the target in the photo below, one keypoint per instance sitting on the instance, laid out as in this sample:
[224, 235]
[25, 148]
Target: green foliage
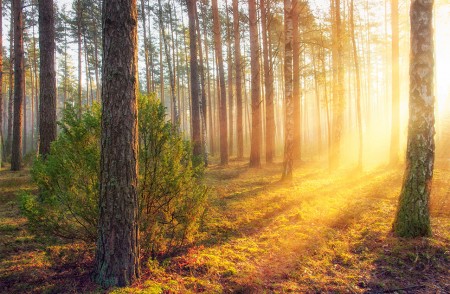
[172, 198]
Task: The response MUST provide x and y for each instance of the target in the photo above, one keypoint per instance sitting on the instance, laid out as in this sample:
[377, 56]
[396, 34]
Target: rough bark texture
[238, 68]
[195, 107]
[268, 85]
[19, 86]
[289, 109]
[255, 148]
[223, 93]
[395, 132]
[117, 255]
[413, 215]
[47, 76]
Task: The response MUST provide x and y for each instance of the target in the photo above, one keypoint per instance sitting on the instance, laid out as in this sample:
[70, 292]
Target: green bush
[172, 198]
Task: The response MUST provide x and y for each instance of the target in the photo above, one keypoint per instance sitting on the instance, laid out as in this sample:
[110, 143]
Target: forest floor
[324, 233]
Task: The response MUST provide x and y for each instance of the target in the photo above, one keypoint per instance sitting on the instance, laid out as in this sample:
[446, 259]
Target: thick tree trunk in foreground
[413, 215]
[47, 76]
[255, 148]
[19, 86]
[289, 108]
[117, 256]
[223, 93]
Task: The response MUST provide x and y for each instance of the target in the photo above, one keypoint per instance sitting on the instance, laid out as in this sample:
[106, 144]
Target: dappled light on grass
[324, 232]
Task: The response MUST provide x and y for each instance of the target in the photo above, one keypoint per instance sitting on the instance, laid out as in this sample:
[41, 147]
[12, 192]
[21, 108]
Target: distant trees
[117, 255]
[413, 215]
[395, 131]
[47, 76]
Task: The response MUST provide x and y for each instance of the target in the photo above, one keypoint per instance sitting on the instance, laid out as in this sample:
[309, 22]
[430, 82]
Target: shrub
[172, 198]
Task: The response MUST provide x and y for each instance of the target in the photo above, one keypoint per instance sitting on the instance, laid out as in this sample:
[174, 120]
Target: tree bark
[117, 255]
[268, 84]
[413, 214]
[255, 147]
[195, 106]
[238, 69]
[289, 109]
[296, 95]
[19, 86]
[223, 92]
[47, 76]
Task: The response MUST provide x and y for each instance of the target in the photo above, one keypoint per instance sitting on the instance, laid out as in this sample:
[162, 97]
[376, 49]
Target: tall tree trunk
[144, 26]
[395, 132]
[230, 85]
[268, 83]
[11, 86]
[2, 147]
[79, 26]
[223, 93]
[288, 79]
[203, 91]
[19, 86]
[255, 147]
[238, 68]
[413, 214]
[195, 107]
[47, 76]
[358, 86]
[117, 255]
[296, 98]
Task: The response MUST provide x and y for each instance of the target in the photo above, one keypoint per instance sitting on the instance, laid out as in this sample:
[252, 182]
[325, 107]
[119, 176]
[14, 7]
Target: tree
[296, 97]
[238, 68]
[19, 86]
[413, 215]
[195, 106]
[288, 79]
[47, 76]
[117, 255]
[395, 132]
[223, 93]
[268, 83]
[1, 84]
[255, 152]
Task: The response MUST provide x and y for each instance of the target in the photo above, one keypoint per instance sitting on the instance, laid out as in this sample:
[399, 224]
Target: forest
[224, 146]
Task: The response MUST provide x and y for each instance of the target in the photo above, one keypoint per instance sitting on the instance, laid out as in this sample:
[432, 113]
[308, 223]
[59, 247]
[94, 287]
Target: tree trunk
[358, 86]
[79, 16]
[268, 84]
[117, 255]
[195, 107]
[47, 76]
[144, 26]
[223, 92]
[1, 85]
[238, 68]
[19, 86]
[395, 132]
[255, 147]
[296, 98]
[230, 85]
[413, 214]
[289, 109]
[11, 85]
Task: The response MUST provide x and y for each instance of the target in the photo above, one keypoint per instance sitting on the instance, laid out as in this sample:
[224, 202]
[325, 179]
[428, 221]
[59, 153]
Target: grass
[326, 232]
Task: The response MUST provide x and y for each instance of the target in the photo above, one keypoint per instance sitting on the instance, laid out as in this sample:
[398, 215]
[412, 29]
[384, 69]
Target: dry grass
[327, 232]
